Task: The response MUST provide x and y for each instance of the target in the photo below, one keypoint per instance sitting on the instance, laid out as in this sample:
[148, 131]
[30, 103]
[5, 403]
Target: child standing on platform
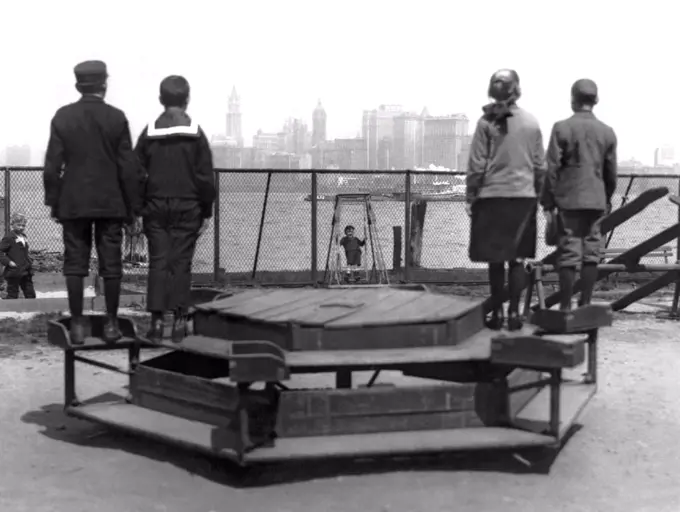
[179, 194]
[352, 246]
[16, 259]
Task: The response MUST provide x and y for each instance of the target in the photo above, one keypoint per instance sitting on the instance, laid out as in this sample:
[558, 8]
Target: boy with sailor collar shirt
[179, 193]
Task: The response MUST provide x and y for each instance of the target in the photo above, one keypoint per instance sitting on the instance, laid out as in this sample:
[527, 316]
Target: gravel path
[626, 457]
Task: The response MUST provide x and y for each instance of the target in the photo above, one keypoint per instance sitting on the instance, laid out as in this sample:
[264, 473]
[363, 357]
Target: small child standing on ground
[352, 246]
[16, 259]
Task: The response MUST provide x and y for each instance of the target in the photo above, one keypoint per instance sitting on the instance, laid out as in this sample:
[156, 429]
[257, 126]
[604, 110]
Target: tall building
[464, 155]
[345, 154]
[318, 125]
[269, 141]
[295, 132]
[234, 127]
[226, 155]
[443, 140]
[664, 156]
[377, 129]
[407, 143]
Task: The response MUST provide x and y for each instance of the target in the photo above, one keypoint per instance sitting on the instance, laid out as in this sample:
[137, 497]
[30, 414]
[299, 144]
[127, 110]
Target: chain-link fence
[269, 223]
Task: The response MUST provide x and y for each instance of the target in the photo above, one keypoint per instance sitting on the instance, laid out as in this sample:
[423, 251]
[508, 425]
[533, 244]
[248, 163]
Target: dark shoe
[77, 331]
[515, 322]
[111, 332]
[155, 334]
[495, 321]
[179, 329]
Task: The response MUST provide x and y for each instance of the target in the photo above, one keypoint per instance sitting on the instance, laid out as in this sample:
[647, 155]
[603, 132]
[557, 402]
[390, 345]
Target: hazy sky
[284, 55]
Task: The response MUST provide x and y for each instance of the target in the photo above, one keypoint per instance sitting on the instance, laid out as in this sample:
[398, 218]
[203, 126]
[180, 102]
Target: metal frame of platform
[490, 391]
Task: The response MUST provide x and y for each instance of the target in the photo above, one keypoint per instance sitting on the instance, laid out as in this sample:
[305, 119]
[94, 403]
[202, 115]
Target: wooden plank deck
[475, 348]
[342, 308]
[217, 441]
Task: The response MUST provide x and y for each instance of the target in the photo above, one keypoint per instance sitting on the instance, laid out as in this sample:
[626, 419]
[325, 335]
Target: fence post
[216, 230]
[676, 293]
[407, 226]
[8, 191]
[314, 248]
[261, 229]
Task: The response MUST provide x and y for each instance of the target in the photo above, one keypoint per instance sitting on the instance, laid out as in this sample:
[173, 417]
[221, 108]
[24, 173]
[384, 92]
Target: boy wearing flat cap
[91, 179]
[178, 202]
[581, 180]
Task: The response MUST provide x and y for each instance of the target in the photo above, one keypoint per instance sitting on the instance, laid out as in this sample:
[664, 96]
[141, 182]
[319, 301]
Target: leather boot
[155, 334]
[514, 321]
[111, 332]
[179, 328]
[495, 320]
[77, 331]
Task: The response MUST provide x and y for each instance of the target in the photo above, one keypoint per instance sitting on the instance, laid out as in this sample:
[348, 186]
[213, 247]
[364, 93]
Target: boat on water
[331, 197]
[435, 191]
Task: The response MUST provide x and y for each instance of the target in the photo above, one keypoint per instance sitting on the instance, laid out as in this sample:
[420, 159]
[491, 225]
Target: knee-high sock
[567, 278]
[588, 280]
[74, 288]
[497, 285]
[516, 284]
[112, 296]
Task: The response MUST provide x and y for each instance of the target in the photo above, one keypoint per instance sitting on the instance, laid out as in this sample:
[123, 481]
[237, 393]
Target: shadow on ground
[58, 426]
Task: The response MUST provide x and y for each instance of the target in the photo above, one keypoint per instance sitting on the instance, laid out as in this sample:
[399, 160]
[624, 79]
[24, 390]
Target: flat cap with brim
[90, 72]
[584, 88]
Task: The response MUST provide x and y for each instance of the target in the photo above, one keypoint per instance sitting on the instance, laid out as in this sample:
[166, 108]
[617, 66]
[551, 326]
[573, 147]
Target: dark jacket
[13, 250]
[90, 168]
[581, 164]
[352, 244]
[506, 158]
[177, 161]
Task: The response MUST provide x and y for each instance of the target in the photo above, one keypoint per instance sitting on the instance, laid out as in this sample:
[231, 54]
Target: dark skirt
[503, 229]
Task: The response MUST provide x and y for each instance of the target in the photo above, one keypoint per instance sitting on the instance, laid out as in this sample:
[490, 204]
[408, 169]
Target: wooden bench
[664, 252]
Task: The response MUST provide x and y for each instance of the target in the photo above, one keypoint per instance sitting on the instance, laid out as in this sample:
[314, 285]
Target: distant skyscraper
[225, 153]
[318, 125]
[407, 142]
[444, 139]
[378, 130]
[234, 118]
[664, 156]
[464, 154]
[295, 132]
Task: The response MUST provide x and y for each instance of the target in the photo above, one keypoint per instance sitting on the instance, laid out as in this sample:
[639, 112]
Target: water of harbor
[286, 238]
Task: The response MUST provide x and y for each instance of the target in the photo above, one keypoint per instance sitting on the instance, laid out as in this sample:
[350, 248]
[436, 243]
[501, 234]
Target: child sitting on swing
[352, 246]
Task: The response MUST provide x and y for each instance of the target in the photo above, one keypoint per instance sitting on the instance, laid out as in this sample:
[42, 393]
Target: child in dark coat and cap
[178, 201]
[91, 179]
[14, 255]
[581, 180]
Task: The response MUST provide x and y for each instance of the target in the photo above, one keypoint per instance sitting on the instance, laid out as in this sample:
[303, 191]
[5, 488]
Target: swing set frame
[334, 268]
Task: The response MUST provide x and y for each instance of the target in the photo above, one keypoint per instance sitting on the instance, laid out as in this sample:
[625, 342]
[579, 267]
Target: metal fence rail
[275, 225]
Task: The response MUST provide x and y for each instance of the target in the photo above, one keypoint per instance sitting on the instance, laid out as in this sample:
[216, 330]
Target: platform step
[207, 439]
[476, 348]
[58, 334]
[579, 320]
[204, 345]
[574, 396]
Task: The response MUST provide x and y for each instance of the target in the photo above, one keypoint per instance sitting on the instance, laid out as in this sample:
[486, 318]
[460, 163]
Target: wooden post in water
[396, 248]
[418, 209]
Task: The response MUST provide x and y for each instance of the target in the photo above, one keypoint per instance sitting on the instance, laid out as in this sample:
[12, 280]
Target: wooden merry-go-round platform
[233, 388]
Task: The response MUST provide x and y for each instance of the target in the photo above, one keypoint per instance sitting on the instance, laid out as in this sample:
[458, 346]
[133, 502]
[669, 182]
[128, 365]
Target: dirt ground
[625, 458]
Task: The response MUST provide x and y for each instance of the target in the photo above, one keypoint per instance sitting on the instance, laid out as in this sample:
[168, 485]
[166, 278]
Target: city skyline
[361, 56]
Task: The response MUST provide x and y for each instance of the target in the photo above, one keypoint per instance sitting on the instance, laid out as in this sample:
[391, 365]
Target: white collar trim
[152, 131]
